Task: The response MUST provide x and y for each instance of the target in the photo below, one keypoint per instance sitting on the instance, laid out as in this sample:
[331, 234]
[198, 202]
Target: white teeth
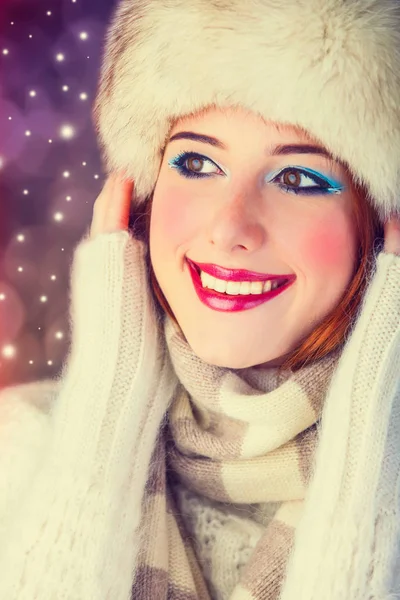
[244, 288]
[234, 288]
[207, 280]
[267, 286]
[256, 287]
[220, 285]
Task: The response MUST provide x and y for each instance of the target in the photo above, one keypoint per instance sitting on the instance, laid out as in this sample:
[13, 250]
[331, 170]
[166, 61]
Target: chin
[228, 356]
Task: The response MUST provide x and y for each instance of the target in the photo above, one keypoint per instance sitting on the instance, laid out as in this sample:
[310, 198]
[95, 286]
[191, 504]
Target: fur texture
[331, 67]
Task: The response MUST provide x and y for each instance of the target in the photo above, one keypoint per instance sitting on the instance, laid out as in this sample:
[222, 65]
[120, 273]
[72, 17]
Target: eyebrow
[279, 150]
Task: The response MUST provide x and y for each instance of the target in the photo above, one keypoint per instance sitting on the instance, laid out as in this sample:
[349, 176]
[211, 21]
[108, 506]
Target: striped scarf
[242, 436]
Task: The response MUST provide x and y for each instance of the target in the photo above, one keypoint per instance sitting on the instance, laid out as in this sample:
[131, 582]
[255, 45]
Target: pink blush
[329, 246]
[174, 215]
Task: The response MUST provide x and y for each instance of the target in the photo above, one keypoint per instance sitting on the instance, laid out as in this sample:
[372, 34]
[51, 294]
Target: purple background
[43, 212]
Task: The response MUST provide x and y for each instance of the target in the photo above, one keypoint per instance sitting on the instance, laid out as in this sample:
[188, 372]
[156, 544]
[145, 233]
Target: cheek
[174, 217]
[330, 247]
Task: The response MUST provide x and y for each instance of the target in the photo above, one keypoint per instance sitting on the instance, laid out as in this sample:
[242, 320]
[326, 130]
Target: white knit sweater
[75, 453]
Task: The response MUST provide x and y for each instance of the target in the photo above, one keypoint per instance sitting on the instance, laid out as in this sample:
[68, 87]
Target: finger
[111, 208]
[392, 235]
[121, 201]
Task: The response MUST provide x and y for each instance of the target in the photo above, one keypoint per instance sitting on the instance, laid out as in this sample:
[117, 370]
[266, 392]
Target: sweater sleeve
[72, 531]
[347, 543]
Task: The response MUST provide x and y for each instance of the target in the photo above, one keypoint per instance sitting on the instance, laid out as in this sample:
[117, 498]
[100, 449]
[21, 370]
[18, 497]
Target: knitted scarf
[241, 436]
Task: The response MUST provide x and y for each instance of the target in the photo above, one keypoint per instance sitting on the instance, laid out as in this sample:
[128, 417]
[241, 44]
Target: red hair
[331, 333]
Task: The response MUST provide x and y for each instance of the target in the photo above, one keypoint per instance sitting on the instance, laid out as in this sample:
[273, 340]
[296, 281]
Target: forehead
[237, 119]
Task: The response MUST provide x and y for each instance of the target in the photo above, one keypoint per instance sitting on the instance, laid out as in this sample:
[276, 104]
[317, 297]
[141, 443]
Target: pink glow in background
[49, 59]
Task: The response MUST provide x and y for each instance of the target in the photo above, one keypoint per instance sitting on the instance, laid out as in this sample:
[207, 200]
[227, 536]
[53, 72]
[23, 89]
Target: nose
[236, 225]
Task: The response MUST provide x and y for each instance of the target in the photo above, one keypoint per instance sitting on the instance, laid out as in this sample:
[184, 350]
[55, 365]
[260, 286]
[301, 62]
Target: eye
[191, 165]
[299, 180]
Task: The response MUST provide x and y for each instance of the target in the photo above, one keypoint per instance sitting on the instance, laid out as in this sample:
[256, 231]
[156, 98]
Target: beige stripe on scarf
[234, 436]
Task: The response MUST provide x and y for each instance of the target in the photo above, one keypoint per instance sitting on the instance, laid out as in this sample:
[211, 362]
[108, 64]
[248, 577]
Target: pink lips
[229, 303]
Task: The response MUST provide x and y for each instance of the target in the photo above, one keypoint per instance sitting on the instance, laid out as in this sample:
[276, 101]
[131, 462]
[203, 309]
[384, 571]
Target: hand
[392, 236]
[111, 207]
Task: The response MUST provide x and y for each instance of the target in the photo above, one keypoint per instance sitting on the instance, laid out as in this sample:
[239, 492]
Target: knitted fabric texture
[235, 436]
[76, 455]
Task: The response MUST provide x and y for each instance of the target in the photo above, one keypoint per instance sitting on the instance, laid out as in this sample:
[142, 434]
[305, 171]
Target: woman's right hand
[74, 468]
[111, 207]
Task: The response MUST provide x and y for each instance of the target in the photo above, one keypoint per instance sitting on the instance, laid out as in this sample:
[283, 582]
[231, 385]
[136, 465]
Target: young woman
[227, 423]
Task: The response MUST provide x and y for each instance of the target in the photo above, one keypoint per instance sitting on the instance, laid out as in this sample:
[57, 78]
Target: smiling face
[252, 200]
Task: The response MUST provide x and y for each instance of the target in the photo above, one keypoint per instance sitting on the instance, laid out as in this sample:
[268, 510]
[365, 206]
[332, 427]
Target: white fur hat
[331, 67]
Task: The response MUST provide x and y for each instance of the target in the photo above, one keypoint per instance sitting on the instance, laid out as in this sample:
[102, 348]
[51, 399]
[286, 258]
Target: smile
[235, 290]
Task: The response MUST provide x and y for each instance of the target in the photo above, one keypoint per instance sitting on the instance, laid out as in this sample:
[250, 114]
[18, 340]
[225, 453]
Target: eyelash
[325, 186]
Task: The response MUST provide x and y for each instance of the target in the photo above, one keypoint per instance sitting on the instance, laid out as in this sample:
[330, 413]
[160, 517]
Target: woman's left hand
[392, 236]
